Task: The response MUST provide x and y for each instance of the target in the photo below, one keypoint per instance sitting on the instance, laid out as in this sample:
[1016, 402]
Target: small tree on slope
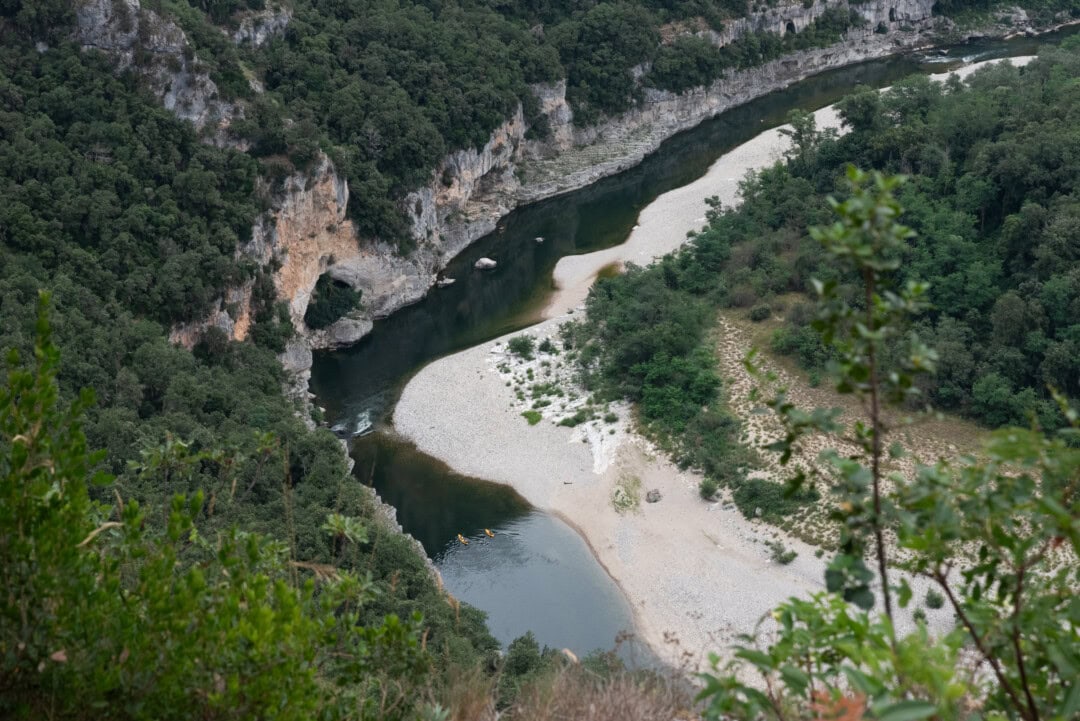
[998, 535]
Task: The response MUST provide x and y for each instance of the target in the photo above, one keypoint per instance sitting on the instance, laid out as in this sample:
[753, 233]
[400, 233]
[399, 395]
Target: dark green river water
[536, 573]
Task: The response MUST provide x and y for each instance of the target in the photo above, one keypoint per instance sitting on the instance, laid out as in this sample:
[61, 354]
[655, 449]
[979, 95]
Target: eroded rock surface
[124, 29]
[258, 27]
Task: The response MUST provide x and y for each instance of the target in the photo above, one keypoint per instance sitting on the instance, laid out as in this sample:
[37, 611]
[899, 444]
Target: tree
[998, 535]
[132, 612]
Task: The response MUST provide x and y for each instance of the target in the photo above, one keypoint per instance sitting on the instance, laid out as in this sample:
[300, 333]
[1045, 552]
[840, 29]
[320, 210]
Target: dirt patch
[927, 437]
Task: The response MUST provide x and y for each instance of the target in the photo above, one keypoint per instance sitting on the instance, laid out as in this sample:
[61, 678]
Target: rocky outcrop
[232, 316]
[796, 17]
[307, 233]
[258, 27]
[574, 157]
[135, 37]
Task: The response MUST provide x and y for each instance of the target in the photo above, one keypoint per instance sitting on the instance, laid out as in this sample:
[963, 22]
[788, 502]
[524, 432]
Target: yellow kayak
[489, 533]
[462, 539]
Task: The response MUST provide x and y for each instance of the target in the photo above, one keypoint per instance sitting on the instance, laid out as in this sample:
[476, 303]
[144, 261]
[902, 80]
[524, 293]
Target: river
[536, 573]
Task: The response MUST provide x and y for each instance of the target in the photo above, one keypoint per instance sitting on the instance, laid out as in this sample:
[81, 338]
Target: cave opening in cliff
[892, 15]
[790, 28]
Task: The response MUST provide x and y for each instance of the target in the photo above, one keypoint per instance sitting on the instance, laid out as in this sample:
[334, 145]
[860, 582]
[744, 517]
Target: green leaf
[861, 682]
[910, 710]
[1071, 705]
[762, 660]
[861, 597]
[795, 678]
[903, 593]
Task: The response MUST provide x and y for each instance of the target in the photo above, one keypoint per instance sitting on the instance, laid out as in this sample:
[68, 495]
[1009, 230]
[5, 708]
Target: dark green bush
[760, 312]
[780, 553]
[330, 301]
[522, 346]
[708, 488]
[774, 500]
[577, 419]
[688, 62]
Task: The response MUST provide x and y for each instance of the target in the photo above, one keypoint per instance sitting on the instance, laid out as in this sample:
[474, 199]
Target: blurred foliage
[124, 610]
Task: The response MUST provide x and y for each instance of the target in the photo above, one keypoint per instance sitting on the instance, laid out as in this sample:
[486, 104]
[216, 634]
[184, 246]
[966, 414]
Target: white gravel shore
[693, 571]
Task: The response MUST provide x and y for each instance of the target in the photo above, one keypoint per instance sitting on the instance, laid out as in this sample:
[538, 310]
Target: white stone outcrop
[258, 27]
[124, 29]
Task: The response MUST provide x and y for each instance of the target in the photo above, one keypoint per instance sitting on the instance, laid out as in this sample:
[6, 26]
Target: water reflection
[535, 574]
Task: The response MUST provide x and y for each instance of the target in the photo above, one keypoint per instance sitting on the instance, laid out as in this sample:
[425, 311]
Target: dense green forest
[131, 222]
[994, 196]
[176, 607]
[389, 88]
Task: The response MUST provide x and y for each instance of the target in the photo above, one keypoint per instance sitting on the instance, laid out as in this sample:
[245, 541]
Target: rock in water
[484, 264]
[653, 496]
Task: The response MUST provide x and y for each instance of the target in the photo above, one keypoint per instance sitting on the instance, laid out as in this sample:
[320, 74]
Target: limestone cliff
[574, 157]
[306, 232]
[258, 27]
[136, 37]
[472, 189]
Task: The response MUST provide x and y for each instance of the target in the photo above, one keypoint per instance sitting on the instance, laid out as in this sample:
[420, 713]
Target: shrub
[708, 488]
[774, 500]
[330, 301]
[546, 346]
[627, 494]
[577, 419]
[533, 417]
[934, 600]
[780, 553]
[760, 312]
[522, 346]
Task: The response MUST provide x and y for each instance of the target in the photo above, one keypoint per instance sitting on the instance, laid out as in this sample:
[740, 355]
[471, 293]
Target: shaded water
[537, 573]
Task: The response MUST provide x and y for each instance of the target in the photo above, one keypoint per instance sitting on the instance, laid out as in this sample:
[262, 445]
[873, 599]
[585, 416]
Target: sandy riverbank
[693, 571]
[664, 223]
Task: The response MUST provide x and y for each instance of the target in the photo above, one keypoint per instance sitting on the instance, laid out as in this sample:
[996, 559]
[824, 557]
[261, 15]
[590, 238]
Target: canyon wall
[306, 232]
[472, 189]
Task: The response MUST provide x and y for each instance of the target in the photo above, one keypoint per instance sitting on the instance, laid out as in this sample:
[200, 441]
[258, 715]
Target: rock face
[472, 189]
[574, 157]
[124, 29]
[307, 233]
[260, 26]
